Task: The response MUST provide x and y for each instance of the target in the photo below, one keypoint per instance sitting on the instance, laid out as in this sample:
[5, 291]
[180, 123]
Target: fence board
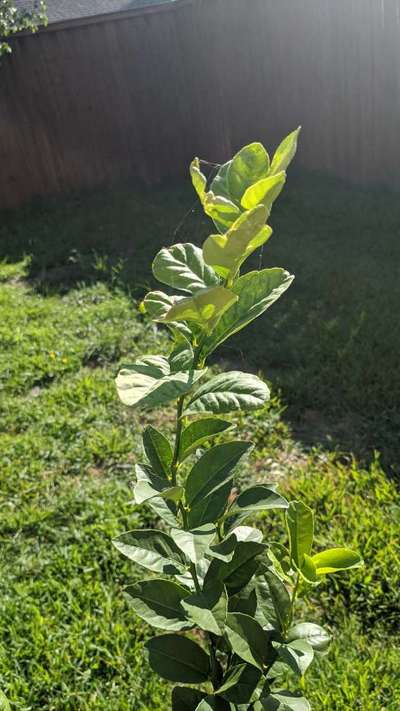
[137, 96]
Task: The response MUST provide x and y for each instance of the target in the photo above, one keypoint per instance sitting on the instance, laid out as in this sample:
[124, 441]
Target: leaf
[285, 152]
[158, 602]
[222, 211]
[226, 253]
[336, 559]
[244, 601]
[166, 510]
[259, 498]
[200, 431]
[285, 701]
[181, 357]
[205, 307]
[158, 450]
[300, 524]
[213, 469]
[228, 392]
[177, 658]
[239, 683]
[219, 185]
[316, 636]
[256, 292]
[152, 549]
[297, 655]
[224, 550]
[211, 508]
[264, 192]
[308, 571]
[247, 638]
[182, 267]
[247, 533]
[184, 698]
[213, 703]
[208, 609]
[156, 303]
[248, 166]
[194, 543]
[145, 385]
[199, 180]
[144, 491]
[274, 600]
[236, 574]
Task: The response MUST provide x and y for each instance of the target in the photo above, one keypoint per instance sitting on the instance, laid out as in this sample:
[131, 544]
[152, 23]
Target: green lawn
[68, 317]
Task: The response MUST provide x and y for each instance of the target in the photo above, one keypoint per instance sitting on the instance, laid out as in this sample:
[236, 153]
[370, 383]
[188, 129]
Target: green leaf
[285, 152]
[205, 307]
[285, 701]
[200, 431]
[213, 469]
[228, 392]
[157, 304]
[184, 698]
[245, 601]
[182, 267]
[177, 658]
[159, 603]
[247, 639]
[264, 192]
[213, 703]
[146, 489]
[211, 508]
[194, 543]
[181, 357]
[256, 292]
[224, 550]
[300, 524]
[297, 655]
[259, 498]
[222, 211]
[199, 180]
[248, 166]
[236, 574]
[158, 450]
[336, 559]
[316, 636]
[219, 185]
[308, 571]
[239, 683]
[145, 385]
[226, 253]
[152, 549]
[208, 609]
[274, 600]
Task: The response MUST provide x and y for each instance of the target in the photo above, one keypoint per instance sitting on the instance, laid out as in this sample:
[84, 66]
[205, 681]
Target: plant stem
[293, 600]
[178, 432]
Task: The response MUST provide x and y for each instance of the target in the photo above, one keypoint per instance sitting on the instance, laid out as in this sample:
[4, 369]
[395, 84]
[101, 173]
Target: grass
[68, 641]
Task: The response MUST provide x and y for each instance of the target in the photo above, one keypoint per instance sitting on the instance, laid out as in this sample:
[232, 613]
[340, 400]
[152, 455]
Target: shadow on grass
[331, 344]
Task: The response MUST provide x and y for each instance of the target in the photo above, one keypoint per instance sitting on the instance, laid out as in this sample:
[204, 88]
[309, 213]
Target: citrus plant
[224, 597]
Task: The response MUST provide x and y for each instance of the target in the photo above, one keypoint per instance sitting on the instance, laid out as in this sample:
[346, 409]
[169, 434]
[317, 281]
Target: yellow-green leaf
[204, 307]
[285, 152]
[336, 559]
[226, 253]
[264, 192]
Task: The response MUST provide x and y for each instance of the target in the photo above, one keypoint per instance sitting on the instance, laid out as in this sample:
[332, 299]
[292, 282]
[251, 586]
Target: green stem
[178, 432]
[293, 599]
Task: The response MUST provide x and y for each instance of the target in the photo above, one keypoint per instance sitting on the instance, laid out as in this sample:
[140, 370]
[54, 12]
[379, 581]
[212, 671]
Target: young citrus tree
[224, 597]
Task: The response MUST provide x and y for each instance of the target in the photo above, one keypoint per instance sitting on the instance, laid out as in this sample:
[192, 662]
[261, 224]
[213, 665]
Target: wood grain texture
[138, 96]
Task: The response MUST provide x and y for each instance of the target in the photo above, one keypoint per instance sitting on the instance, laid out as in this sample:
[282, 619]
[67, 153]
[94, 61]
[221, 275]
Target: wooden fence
[137, 95]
